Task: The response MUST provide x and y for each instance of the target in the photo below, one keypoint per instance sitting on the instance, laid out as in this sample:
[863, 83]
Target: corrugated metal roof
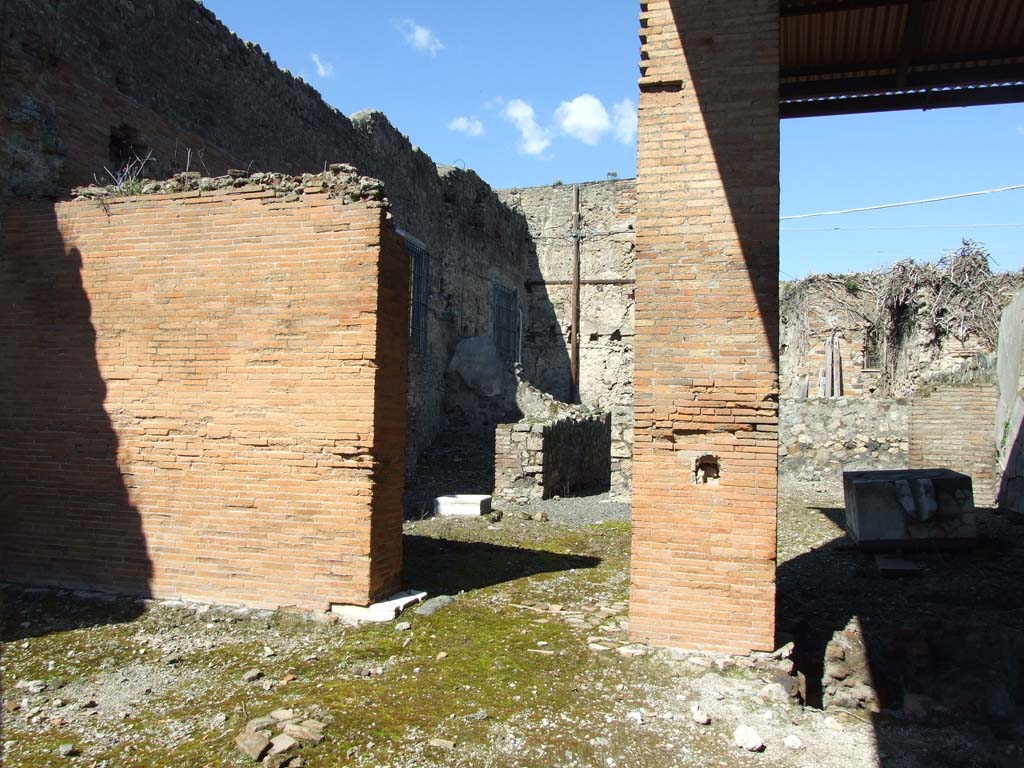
[866, 55]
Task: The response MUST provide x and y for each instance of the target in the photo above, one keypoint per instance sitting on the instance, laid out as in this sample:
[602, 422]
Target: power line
[909, 226]
[900, 205]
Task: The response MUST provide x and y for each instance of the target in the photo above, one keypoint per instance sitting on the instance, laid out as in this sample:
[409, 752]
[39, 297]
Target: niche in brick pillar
[707, 469]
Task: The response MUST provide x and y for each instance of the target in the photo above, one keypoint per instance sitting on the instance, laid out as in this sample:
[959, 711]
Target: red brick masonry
[204, 396]
[952, 426]
[703, 560]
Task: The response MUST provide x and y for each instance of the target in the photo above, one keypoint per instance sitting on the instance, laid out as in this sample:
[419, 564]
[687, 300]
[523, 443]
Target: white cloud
[467, 125]
[583, 118]
[420, 38]
[323, 68]
[1020, 130]
[624, 117]
[534, 139]
[494, 103]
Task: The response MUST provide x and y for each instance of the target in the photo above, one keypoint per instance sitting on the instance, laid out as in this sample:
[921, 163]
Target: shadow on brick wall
[745, 143]
[941, 652]
[66, 513]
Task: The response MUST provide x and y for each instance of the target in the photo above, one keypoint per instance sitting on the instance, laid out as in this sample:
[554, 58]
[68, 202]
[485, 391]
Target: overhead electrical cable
[908, 226]
[900, 205]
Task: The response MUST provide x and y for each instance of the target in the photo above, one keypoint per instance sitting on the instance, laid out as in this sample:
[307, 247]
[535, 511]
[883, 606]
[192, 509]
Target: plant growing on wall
[128, 179]
[959, 297]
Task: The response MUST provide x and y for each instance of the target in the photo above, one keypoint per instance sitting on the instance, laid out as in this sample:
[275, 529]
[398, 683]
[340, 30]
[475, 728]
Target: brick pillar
[705, 482]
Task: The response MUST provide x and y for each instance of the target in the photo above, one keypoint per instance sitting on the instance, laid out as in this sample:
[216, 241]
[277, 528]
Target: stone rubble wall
[607, 253]
[941, 426]
[204, 390]
[904, 668]
[540, 459]
[821, 438]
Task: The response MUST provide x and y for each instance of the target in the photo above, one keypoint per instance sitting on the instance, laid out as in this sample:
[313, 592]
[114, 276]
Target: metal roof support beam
[874, 85]
[833, 6]
[911, 35]
[940, 99]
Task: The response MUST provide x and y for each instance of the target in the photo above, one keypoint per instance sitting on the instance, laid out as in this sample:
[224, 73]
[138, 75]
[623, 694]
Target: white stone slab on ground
[462, 504]
[385, 610]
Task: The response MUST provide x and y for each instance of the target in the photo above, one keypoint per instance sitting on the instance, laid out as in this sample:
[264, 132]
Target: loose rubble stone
[67, 750]
[632, 651]
[747, 738]
[915, 706]
[251, 676]
[433, 605]
[541, 516]
[303, 733]
[846, 682]
[281, 744]
[403, 626]
[283, 714]
[442, 743]
[785, 652]
[32, 686]
[252, 744]
[774, 692]
[259, 723]
[700, 717]
[793, 742]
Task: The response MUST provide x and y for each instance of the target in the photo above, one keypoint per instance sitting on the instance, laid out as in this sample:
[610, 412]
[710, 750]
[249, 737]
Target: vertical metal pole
[574, 334]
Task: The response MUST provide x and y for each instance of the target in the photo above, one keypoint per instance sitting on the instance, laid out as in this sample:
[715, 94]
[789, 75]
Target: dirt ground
[530, 665]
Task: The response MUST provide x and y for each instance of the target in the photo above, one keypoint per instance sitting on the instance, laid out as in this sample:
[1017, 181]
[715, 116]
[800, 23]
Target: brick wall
[703, 558]
[204, 395]
[812, 312]
[951, 426]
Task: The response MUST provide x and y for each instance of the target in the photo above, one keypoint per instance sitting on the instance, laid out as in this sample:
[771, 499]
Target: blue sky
[533, 92]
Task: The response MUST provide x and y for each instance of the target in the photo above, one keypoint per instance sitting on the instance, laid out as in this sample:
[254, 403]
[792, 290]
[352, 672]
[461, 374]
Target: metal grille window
[506, 327]
[420, 264]
[872, 350]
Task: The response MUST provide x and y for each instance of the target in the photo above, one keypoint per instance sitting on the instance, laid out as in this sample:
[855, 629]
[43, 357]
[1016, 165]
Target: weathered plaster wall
[175, 78]
[820, 438]
[1009, 422]
[204, 392]
[607, 299]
